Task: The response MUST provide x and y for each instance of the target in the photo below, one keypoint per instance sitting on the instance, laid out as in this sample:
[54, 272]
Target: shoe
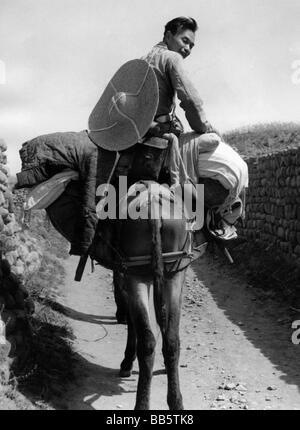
[219, 228]
[225, 231]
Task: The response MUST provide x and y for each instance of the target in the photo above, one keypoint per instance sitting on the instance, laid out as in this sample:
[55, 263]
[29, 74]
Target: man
[166, 58]
[205, 156]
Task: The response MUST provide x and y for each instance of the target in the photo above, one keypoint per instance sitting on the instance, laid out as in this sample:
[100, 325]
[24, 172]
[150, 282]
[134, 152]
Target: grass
[262, 139]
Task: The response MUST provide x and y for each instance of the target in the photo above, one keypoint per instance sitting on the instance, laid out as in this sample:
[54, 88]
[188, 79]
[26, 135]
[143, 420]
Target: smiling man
[166, 58]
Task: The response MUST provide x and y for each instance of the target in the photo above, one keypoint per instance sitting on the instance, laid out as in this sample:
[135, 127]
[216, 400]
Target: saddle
[142, 198]
[143, 161]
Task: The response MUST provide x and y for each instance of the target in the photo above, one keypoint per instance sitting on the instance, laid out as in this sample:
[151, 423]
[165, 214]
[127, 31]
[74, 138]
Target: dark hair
[181, 23]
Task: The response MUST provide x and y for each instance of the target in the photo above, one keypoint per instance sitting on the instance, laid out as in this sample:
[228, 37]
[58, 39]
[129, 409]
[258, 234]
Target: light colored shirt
[173, 79]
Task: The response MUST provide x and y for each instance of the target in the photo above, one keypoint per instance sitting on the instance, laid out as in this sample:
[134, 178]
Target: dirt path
[231, 334]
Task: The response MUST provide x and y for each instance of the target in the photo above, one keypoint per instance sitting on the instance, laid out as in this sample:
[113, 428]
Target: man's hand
[158, 129]
[154, 130]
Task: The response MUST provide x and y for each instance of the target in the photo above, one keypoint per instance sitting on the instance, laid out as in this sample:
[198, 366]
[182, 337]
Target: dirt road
[236, 348]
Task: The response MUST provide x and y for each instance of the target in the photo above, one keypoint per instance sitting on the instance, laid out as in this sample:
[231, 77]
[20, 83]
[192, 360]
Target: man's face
[182, 42]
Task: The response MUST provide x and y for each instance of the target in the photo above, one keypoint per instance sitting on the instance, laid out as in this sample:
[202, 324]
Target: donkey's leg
[171, 341]
[138, 295]
[120, 297]
[130, 352]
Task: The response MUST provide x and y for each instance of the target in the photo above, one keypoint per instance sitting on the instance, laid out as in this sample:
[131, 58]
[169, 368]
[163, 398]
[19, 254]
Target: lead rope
[100, 205]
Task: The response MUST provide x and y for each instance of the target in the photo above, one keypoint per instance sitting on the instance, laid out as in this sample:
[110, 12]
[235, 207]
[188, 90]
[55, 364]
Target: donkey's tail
[158, 273]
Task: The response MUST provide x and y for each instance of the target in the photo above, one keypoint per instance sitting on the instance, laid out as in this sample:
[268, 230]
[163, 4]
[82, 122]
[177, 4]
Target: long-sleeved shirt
[172, 79]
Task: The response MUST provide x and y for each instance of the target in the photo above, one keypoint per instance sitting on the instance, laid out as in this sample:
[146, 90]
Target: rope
[95, 340]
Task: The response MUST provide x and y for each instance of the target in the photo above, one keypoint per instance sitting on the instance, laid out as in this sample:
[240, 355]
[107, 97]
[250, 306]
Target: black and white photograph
[149, 207]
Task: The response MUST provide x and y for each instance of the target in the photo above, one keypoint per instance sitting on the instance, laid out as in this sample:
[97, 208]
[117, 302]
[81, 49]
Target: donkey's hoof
[124, 373]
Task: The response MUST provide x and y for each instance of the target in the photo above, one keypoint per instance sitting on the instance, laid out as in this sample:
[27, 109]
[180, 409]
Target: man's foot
[224, 231]
[220, 229]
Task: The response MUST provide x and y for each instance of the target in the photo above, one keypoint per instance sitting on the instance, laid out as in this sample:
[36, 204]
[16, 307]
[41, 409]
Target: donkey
[149, 258]
[156, 252]
[152, 289]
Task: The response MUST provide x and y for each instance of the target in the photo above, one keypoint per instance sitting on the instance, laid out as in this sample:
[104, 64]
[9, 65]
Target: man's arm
[190, 100]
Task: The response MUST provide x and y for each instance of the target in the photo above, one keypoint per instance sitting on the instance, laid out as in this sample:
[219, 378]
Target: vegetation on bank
[256, 140]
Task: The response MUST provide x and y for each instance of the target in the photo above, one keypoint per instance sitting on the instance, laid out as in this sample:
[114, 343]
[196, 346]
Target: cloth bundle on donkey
[50, 154]
[224, 174]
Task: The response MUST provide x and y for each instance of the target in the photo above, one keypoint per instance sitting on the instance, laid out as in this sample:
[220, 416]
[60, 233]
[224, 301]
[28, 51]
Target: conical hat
[127, 107]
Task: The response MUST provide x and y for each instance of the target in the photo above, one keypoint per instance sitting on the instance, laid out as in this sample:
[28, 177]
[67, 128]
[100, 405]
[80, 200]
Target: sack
[102, 249]
[64, 211]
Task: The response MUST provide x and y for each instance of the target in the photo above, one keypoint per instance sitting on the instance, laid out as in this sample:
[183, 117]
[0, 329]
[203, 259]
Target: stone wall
[19, 258]
[273, 202]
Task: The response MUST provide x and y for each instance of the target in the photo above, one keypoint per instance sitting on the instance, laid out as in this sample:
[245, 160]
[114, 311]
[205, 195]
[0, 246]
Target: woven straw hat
[127, 107]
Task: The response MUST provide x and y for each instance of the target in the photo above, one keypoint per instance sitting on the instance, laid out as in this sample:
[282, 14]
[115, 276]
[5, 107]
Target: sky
[57, 56]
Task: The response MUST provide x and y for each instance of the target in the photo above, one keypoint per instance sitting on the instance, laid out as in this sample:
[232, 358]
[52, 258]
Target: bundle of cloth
[222, 171]
[206, 159]
[51, 162]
